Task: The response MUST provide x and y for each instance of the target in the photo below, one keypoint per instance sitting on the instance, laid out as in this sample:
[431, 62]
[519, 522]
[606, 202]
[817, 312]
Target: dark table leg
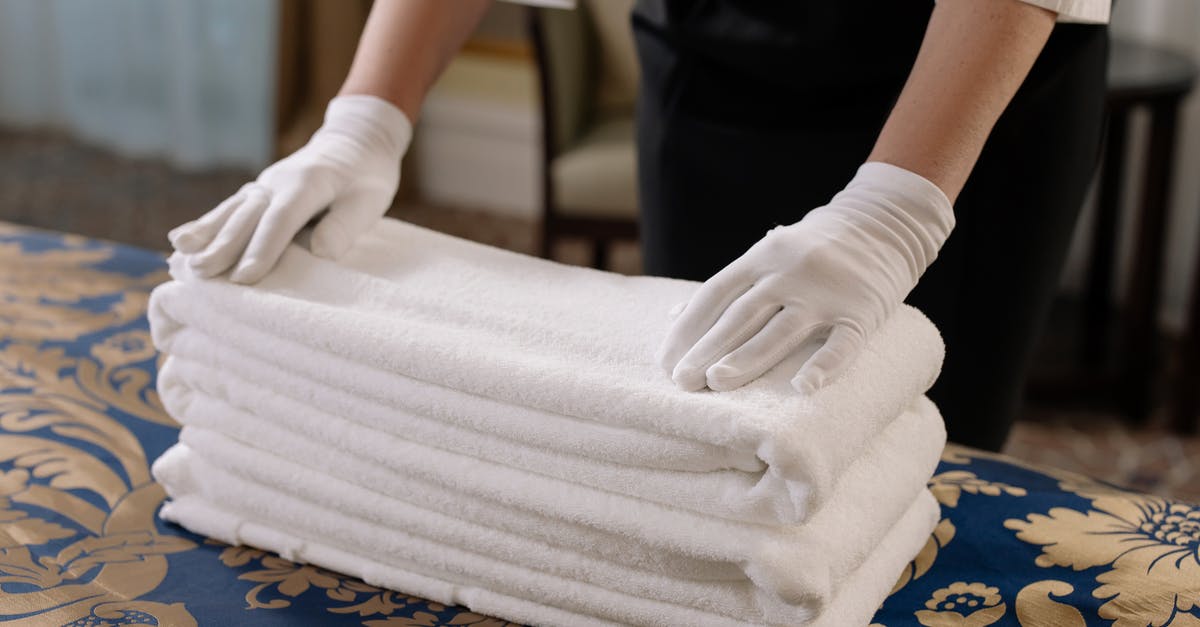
[1140, 332]
[1098, 293]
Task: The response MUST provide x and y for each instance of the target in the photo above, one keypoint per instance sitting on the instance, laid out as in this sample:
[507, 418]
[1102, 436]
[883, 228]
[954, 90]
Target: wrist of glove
[836, 274]
[350, 167]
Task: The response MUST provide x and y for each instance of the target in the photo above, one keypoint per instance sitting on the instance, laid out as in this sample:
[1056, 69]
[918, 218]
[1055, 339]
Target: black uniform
[753, 112]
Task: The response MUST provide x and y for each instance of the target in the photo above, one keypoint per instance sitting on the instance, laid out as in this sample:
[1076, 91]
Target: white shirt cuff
[1077, 11]
[553, 4]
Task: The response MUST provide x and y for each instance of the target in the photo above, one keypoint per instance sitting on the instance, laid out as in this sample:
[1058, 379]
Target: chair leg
[548, 237]
[1185, 406]
[600, 254]
[1140, 337]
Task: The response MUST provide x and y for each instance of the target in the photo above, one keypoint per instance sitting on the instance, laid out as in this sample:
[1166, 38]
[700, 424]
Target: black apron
[753, 112]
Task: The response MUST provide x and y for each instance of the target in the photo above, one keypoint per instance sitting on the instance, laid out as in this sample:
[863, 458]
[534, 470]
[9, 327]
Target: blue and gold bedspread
[80, 543]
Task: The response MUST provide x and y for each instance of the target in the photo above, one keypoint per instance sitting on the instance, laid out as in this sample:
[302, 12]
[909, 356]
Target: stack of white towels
[484, 428]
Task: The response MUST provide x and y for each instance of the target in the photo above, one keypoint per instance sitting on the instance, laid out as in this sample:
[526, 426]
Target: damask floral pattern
[1148, 546]
[1100, 555]
[80, 543]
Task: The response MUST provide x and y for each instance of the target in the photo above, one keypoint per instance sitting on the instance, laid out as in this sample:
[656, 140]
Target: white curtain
[191, 81]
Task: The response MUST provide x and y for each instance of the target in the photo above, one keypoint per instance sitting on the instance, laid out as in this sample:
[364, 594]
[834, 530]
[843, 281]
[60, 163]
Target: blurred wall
[191, 81]
[478, 140]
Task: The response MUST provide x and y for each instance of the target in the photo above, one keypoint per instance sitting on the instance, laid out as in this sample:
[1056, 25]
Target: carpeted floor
[53, 183]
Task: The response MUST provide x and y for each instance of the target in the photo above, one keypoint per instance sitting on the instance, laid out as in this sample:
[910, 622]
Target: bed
[80, 543]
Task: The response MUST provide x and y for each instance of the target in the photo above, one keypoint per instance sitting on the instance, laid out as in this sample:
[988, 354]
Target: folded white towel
[791, 565]
[209, 364]
[359, 532]
[556, 357]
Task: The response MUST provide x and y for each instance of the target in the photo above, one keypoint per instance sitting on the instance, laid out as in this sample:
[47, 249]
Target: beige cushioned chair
[588, 74]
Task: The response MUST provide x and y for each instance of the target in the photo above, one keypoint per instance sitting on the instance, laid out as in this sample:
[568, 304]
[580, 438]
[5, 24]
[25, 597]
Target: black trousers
[753, 112]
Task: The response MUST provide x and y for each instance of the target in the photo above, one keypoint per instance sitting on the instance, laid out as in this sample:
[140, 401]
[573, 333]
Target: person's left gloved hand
[838, 273]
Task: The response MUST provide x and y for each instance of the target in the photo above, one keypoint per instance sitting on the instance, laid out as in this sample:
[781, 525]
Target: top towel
[424, 320]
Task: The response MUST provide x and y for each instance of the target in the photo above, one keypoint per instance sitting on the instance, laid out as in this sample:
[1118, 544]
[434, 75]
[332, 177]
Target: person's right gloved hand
[351, 166]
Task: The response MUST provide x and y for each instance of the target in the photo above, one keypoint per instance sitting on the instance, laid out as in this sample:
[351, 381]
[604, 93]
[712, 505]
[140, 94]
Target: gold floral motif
[1082, 485]
[136, 613]
[286, 578]
[1035, 608]
[45, 387]
[963, 604]
[53, 410]
[281, 580]
[41, 292]
[17, 527]
[1153, 577]
[378, 602]
[125, 348]
[948, 486]
[1150, 545]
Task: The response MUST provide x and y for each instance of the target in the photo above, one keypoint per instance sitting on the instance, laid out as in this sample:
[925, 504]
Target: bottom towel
[214, 502]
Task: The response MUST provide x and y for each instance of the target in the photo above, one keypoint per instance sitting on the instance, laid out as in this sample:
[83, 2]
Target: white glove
[838, 273]
[351, 166]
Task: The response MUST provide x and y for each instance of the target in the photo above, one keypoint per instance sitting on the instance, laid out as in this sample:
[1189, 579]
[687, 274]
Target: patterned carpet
[53, 183]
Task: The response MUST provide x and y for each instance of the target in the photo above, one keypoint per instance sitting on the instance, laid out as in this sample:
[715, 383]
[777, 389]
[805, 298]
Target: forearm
[405, 46]
[975, 55]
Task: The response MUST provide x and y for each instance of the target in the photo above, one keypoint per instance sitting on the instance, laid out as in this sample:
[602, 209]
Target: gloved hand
[838, 273]
[351, 166]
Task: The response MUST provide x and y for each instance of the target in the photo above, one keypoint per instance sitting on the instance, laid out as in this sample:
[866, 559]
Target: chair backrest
[618, 72]
[586, 63]
[564, 46]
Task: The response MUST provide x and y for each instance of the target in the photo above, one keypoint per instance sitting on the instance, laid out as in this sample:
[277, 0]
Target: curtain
[190, 81]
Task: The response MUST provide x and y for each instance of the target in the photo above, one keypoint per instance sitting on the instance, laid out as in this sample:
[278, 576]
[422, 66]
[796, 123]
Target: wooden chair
[589, 171]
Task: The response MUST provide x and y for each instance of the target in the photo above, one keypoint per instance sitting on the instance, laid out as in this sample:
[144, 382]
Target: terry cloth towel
[341, 526]
[200, 362]
[552, 358]
[790, 565]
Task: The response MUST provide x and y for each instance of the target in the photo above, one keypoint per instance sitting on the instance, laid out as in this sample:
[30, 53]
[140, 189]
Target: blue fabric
[80, 543]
